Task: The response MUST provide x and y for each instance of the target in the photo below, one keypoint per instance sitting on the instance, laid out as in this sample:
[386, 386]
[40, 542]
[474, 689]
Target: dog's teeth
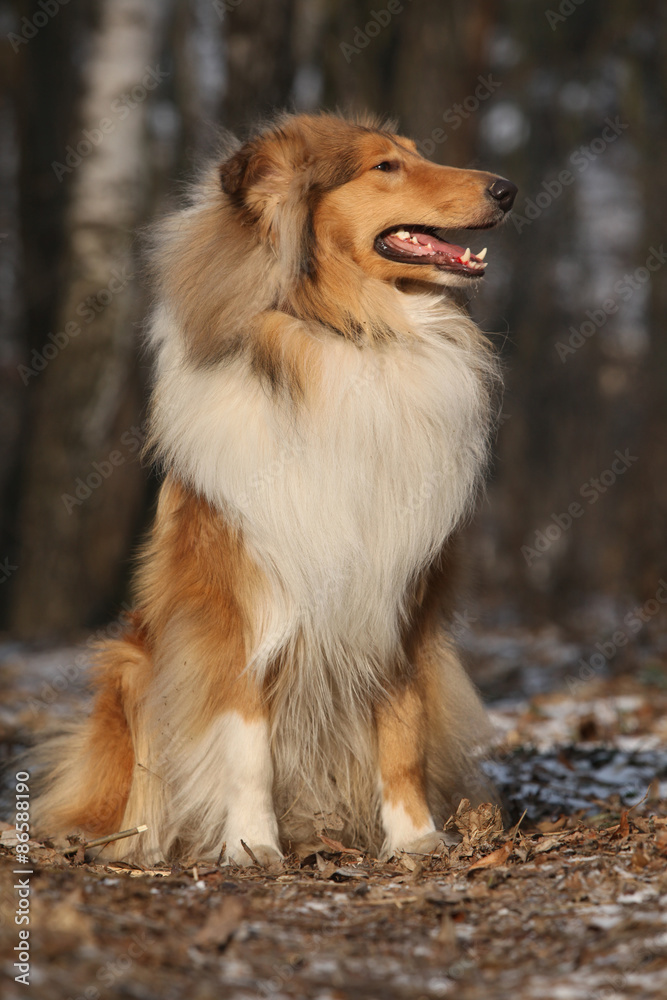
[413, 239]
[466, 256]
[429, 246]
[402, 235]
[482, 254]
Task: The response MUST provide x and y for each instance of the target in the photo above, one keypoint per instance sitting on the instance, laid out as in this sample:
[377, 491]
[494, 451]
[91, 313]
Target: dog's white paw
[426, 843]
[265, 855]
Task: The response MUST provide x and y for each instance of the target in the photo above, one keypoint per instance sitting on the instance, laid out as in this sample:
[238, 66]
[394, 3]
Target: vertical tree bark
[82, 485]
[564, 420]
[35, 116]
[643, 523]
[260, 68]
[569, 418]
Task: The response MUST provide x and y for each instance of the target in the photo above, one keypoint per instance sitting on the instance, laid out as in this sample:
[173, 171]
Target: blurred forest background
[107, 108]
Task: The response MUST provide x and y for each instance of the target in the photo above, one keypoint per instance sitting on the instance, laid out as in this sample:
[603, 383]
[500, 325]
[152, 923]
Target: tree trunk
[260, 68]
[82, 483]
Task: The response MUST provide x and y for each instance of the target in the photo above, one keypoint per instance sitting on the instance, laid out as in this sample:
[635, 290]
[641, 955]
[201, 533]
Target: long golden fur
[322, 410]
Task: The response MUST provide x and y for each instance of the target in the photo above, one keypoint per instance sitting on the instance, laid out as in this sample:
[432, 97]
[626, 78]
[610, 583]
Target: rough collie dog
[322, 409]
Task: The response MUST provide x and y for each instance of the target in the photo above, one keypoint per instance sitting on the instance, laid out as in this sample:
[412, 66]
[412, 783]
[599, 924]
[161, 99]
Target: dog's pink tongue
[439, 245]
[421, 244]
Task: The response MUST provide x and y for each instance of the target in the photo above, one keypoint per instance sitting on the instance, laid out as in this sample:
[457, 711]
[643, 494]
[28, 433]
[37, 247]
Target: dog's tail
[459, 732]
[83, 773]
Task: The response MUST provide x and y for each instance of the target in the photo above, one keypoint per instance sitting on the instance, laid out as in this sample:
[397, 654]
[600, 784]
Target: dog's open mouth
[421, 245]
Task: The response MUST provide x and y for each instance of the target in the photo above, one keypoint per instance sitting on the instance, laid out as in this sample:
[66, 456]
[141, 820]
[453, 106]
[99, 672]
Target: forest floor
[567, 902]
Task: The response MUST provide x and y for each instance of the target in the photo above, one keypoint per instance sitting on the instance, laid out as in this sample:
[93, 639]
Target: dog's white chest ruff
[343, 498]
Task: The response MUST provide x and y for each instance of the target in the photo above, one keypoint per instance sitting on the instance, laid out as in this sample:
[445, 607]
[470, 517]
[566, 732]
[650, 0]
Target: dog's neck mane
[345, 490]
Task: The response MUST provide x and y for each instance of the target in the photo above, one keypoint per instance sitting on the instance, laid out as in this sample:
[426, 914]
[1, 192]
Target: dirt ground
[567, 902]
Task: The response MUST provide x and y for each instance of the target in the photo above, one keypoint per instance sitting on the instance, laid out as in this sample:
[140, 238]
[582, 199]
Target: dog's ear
[258, 176]
[233, 172]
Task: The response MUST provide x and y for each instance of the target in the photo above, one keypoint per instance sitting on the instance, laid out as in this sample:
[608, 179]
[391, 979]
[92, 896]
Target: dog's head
[322, 190]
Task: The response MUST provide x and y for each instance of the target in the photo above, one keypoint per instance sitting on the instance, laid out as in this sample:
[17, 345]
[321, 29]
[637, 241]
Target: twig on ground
[249, 852]
[102, 841]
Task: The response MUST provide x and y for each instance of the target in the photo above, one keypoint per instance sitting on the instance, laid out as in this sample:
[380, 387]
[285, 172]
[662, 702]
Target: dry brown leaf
[661, 839]
[347, 871]
[481, 824]
[546, 844]
[325, 868]
[549, 826]
[494, 859]
[407, 861]
[639, 859]
[220, 925]
[335, 845]
[417, 872]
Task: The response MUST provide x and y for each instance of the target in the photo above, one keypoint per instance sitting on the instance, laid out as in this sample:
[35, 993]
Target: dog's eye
[386, 165]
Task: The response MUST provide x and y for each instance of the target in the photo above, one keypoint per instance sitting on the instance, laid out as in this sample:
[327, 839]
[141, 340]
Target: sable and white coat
[322, 410]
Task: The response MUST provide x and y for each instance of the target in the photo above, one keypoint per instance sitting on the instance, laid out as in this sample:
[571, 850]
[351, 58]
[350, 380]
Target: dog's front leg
[406, 818]
[249, 789]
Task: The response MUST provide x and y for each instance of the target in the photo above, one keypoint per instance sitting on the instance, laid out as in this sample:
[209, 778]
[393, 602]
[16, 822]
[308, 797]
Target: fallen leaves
[497, 857]
[337, 847]
[478, 824]
[514, 897]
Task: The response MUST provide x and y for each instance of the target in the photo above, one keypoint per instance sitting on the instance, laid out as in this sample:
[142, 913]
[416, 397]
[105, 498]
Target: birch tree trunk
[82, 483]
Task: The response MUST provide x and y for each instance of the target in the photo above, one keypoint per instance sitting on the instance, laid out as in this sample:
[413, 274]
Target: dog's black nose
[504, 192]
